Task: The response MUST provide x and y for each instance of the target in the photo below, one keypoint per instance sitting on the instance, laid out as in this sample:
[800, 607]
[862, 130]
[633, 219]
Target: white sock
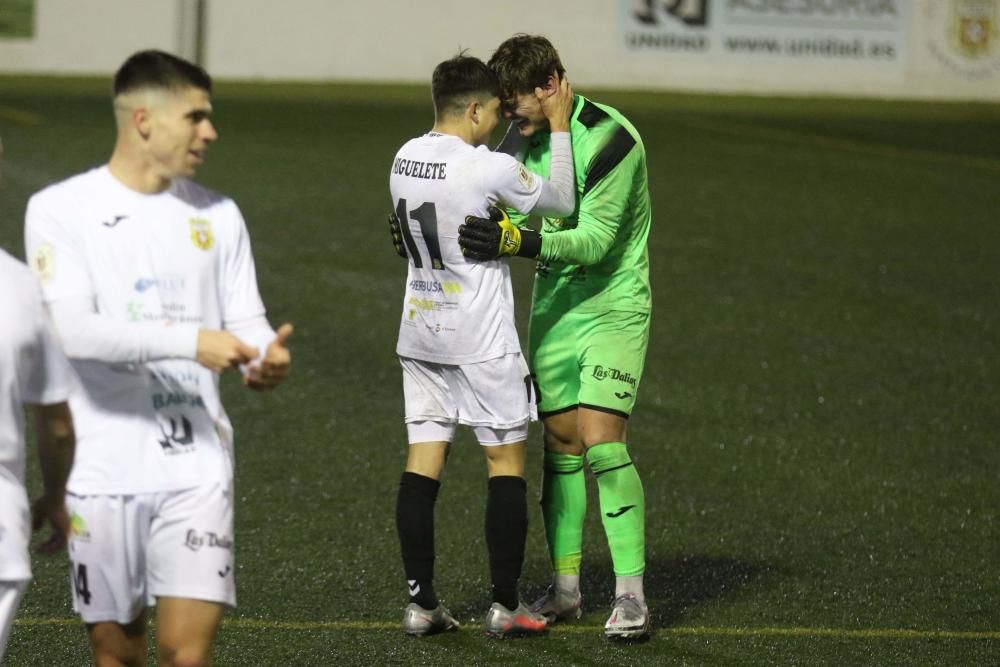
[567, 582]
[631, 585]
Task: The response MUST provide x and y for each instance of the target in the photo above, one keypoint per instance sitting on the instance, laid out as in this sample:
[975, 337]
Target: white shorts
[125, 551]
[11, 593]
[496, 398]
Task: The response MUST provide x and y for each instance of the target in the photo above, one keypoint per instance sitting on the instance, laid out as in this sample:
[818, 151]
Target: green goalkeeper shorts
[591, 360]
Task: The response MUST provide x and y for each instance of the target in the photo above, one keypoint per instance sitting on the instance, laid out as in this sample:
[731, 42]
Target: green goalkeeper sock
[622, 506]
[564, 506]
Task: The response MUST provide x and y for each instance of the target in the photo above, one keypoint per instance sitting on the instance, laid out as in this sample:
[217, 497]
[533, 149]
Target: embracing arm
[557, 198]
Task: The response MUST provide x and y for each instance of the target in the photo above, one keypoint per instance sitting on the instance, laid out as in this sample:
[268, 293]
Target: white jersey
[33, 370]
[455, 311]
[179, 258]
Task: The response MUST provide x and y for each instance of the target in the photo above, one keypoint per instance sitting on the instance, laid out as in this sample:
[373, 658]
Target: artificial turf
[816, 429]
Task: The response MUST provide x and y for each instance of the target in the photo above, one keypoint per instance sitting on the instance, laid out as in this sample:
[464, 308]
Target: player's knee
[112, 658]
[563, 443]
[184, 656]
[114, 644]
[599, 428]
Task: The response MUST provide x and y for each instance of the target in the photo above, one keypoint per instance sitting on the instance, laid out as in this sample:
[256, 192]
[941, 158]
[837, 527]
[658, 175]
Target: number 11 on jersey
[426, 217]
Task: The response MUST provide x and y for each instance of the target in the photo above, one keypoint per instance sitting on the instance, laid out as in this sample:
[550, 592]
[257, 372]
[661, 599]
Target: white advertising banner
[854, 33]
[915, 49]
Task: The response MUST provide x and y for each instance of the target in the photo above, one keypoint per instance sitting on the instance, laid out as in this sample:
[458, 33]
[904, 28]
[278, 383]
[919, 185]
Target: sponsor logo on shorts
[78, 528]
[196, 540]
[602, 373]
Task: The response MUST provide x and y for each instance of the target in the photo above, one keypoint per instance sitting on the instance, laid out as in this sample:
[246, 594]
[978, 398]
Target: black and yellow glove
[496, 236]
[397, 236]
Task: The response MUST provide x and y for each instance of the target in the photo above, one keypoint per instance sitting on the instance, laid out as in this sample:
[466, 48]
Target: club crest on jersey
[201, 233]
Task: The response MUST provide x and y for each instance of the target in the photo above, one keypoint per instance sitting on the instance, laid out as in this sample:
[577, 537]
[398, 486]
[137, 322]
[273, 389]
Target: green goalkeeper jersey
[596, 260]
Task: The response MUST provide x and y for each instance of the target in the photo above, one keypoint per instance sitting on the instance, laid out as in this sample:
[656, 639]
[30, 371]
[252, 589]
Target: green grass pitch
[817, 428]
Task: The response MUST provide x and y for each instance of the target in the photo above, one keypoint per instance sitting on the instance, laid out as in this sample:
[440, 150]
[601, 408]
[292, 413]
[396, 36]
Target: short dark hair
[523, 63]
[459, 80]
[158, 69]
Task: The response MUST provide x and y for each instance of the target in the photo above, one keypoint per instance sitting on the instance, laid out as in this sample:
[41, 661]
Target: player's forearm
[557, 198]
[56, 447]
[586, 244]
[603, 206]
[88, 335]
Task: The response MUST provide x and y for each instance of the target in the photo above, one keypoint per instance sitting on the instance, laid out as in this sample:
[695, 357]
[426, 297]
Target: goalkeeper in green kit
[589, 325]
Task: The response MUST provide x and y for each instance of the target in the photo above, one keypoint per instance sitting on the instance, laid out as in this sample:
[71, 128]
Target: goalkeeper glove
[397, 236]
[496, 236]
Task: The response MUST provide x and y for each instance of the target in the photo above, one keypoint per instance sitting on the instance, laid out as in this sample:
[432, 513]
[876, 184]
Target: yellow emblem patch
[43, 262]
[201, 233]
[526, 177]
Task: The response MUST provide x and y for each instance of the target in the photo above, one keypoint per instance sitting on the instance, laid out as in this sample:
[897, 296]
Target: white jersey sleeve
[51, 241]
[243, 309]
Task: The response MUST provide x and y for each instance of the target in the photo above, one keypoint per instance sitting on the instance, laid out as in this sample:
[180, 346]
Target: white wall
[896, 48]
[72, 38]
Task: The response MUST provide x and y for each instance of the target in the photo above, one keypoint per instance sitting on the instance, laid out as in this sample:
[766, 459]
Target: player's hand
[557, 102]
[273, 368]
[496, 236]
[489, 238]
[52, 511]
[397, 235]
[219, 350]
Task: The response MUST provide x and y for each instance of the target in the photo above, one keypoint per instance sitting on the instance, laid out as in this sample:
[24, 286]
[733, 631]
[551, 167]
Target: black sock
[415, 525]
[506, 532]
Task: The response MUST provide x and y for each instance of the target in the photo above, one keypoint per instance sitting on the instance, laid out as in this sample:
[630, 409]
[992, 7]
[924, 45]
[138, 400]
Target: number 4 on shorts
[79, 573]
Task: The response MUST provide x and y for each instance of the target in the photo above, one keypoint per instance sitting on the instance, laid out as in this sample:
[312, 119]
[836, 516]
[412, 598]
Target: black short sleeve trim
[591, 114]
[610, 157]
